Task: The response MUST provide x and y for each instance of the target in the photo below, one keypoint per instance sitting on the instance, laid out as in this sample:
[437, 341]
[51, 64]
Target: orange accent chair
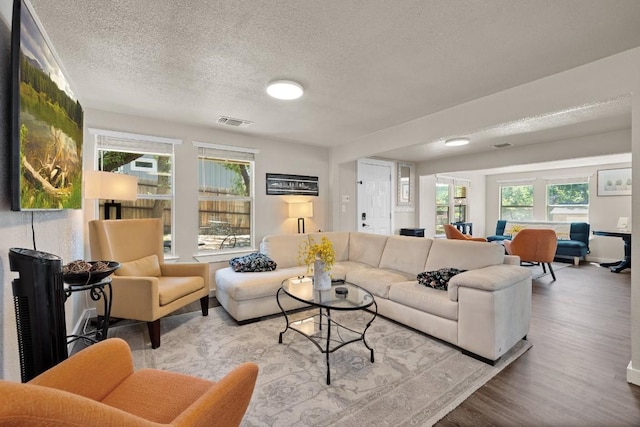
[453, 233]
[145, 288]
[98, 387]
[536, 245]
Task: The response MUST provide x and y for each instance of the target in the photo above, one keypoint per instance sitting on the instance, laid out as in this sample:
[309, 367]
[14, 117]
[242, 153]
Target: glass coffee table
[327, 334]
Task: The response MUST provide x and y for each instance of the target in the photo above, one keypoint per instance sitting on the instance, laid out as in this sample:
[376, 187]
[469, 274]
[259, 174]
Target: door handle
[364, 225]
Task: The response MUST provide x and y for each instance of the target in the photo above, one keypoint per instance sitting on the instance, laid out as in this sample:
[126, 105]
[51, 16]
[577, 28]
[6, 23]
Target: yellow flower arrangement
[310, 251]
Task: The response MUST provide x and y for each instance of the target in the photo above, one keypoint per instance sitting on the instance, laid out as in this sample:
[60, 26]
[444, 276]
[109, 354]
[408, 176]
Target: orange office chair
[98, 387]
[534, 245]
[453, 233]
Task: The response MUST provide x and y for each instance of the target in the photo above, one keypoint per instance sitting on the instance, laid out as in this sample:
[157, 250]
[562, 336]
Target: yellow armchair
[145, 288]
[98, 387]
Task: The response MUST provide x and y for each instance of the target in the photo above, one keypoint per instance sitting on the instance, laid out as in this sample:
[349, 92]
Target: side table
[100, 290]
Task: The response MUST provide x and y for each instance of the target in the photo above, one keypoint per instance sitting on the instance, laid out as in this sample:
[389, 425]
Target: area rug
[415, 379]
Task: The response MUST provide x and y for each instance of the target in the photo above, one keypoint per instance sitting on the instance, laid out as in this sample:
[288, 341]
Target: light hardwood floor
[575, 374]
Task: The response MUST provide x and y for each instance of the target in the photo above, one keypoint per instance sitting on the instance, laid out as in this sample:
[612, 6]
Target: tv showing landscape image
[47, 132]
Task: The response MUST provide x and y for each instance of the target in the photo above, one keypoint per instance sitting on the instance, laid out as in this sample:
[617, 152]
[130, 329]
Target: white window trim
[98, 146]
[226, 255]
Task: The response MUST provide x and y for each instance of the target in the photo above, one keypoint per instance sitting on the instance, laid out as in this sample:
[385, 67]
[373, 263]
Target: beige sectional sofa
[485, 311]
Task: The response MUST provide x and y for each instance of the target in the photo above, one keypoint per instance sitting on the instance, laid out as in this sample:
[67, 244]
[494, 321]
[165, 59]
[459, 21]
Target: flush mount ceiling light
[285, 89]
[456, 142]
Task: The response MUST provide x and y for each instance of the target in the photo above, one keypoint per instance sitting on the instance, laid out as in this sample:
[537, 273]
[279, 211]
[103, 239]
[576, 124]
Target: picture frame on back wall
[282, 184]
[614, 182]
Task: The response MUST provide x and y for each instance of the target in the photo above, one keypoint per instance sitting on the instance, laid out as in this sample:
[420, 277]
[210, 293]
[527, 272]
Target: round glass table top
[341, 296]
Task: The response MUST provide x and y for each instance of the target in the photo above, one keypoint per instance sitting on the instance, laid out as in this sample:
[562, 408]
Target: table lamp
[110, 186]
[301, 211]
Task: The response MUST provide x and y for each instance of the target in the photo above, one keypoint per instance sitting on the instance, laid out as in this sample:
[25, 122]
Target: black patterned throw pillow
[438, 279]
[252, 263]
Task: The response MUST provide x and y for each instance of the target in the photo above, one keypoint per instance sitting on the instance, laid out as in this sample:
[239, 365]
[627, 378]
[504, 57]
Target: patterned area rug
[415, 379]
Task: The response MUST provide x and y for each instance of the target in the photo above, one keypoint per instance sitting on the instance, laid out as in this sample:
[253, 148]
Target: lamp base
[107, 209]
[300, 221]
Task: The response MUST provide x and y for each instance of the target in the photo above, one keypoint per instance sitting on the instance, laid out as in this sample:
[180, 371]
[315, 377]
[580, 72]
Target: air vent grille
[230, 121]
[503, 145]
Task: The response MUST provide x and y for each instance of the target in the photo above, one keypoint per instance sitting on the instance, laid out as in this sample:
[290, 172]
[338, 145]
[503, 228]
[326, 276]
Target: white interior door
[374, 196]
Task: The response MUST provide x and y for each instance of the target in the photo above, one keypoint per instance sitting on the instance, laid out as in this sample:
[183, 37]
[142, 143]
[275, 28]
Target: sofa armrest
[491, 278]
[186, 269]
[511, 260]
[93, 372]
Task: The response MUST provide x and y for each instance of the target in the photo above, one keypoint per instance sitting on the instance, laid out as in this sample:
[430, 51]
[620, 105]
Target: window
[225, 197]
[568, 202]
[151, 160]
[442, 206]
[516, 202]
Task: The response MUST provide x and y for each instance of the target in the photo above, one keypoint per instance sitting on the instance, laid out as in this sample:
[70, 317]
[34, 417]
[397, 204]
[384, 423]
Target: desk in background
[618, 266]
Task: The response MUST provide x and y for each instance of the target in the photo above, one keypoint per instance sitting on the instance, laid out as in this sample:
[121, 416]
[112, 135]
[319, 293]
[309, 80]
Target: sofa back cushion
[283, 248]
[405, 254]
[339, 240]
[463, 255]
[366, 248]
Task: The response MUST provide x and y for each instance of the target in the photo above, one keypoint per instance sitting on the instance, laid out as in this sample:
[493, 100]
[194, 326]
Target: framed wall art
[614, 182]
[46, 122]
[281, 184]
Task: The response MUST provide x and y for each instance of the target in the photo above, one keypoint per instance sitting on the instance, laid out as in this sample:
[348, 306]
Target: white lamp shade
[301, 210]
[110, 186]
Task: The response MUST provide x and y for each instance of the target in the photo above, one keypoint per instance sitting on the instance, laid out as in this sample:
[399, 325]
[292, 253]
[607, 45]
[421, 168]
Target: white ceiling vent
[503, 145]
[230, 121]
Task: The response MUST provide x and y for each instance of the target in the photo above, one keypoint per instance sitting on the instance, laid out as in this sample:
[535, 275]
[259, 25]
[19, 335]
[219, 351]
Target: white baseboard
[633, 375]
[87, 314]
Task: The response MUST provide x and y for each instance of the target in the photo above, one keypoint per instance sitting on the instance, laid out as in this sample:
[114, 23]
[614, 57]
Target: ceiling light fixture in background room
[456, 142]
[285, 89]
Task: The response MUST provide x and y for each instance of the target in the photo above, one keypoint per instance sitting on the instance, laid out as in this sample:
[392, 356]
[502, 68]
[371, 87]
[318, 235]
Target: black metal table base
[324, 340]
[97, 292]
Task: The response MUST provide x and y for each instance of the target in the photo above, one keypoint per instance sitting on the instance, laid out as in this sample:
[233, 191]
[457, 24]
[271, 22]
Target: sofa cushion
[438, 279]
[366, 248]
[248, 286]
[340, 269]
[339, 240]
[429, 300]
[283, 249]
[172, 288]
[252, 263]
[148, 266]
[376, 280]
[464, 255]
[406, 254]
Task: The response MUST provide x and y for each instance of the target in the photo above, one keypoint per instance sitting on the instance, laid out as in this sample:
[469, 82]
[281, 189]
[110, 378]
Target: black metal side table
[97, 291]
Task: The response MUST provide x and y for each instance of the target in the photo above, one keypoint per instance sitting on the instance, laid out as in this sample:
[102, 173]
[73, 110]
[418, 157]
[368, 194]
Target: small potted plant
[319, 258]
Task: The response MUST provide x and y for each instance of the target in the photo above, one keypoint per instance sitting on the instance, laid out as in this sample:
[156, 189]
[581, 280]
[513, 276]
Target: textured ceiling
[365, 64]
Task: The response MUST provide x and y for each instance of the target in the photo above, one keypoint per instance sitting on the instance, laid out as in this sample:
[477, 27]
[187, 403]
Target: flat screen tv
[46, 121]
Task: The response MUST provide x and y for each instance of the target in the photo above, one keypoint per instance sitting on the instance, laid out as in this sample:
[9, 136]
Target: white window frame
[234, 153]
[521, 183]
[108, 140]
[566, 180]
